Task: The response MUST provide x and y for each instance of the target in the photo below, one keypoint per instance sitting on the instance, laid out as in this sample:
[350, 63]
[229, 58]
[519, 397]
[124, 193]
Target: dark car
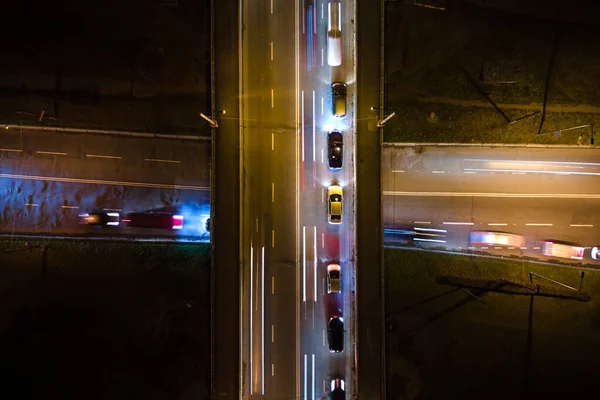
[100, 218]
[338, 389]
[335, 334]
[335, 146]
[155, 220]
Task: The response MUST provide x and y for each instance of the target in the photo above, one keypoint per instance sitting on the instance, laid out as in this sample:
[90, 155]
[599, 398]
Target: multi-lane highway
[49, 178]
[535, 193]
[286, 240]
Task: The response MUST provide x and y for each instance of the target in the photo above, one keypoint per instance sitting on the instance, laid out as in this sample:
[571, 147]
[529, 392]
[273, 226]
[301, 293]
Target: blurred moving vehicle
[334, 204]
[334, 273]
[207, 225]
[100, 218]
[338, 389]
[338, 100]
[554, 248]
[497, 238]
[335, 146]
[335, 334]
[153, 219]
[334, 34]
[595, 253]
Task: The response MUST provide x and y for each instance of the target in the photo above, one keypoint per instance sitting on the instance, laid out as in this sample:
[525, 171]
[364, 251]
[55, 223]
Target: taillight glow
[177, 221]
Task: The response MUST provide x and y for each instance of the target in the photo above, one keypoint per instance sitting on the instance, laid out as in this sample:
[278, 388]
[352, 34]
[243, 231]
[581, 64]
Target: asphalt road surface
[48, 178]
[539, 194]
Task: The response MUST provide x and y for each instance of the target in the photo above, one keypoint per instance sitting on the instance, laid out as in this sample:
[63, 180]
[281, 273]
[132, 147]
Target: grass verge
[444, 343]
[104, 320]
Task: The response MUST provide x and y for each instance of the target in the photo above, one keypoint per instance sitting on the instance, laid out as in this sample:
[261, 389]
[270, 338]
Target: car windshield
[335, 198]
[334, 274]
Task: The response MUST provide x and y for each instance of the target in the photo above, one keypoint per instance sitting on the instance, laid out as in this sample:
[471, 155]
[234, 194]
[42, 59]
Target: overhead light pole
[212, 122]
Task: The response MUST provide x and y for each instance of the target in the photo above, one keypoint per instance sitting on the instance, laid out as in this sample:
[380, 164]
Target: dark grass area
[138, 65]
[104, 320]
[434, 57]
[443, 343]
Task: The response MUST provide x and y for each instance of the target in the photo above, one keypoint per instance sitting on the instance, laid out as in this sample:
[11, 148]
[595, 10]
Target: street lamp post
[212, 122]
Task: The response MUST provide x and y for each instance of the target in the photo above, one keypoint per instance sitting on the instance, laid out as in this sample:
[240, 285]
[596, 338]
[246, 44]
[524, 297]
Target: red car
[155, 220]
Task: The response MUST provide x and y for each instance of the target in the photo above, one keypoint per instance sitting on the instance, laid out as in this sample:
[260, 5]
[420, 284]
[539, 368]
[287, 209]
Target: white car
[595, 253]
[334, 204]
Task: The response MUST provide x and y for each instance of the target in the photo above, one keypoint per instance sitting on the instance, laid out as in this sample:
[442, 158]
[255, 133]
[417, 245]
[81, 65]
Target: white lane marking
[457, 223]
[314, 124]
[322, 195]
[582, 225]
[523, 248]
[439, 172]
[302, 102]
[272, 141]
[323, 285]
[272, 98]
[518, 173]
[51, 153]
[324, 386]
[112, 209]
[323, 337]
[315, 255]
[262, 290]
[313, 377]
[322, 240]
[271, 6]
[304, 263]
[103, 182]
[536, 247]
[471, 248]
[305, 376]
[534, 171]
[256, 224]
[12, 150]
[497, 248]
[492, 195]
[251, 311]
[271, 51]
[272, 333]
[272, 369]
[322, 105]
[484, 247]
[163, 161]
[469, 172]
[537, 224]
[497, 224]
[70, 207]
[397, 170]
[322, 57]
[511, 248]
[32, 204]
[272, 285]
[272, 237]
[322, 156]
[272, 192]
[99, 156]
[322, 10]
[422, 222]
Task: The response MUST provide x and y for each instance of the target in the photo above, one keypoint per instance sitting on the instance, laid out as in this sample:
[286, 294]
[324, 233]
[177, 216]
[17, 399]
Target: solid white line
[262, 292]
[272, 333]
[304, 263]
[272, 285]
[302, 125]
[272, 98]
[322, 105]
[500, 195]
[458, 223]
[497, 224]
[102, 182]
[534, 171]
[581, 225]
[305, 376]
[315, 255]
[272, 141]
[534, 162]
[431, 230]
[32, 204]
[271, 51]
[70, 207]
[313, 377]
[314, 125]
[99, 156]
[272, 192]
[20, 151]
[536, 224]
[51, 153]
[251, 314]
[397, 170]
[429, 240]
[161, 160]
